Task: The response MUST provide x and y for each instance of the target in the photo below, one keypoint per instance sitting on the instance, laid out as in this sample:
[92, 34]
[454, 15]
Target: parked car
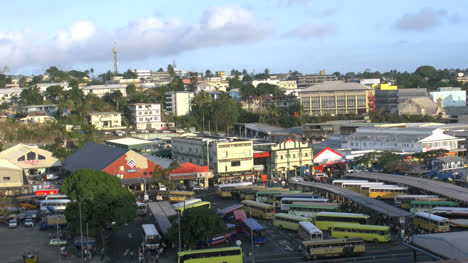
[57, 242]
[28, 222]
[12, 223]
[162, 187]
[52, 177]
[297, 179]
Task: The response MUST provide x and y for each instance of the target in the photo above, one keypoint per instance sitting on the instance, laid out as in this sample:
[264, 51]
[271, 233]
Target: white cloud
[83, 42]
[311, 30]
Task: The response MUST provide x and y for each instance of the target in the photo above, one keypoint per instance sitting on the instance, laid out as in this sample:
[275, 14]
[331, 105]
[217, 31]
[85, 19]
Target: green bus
[310, 210]
[268, 196]
[427, 205]
[326, 220]
[197, 204]
[367, 232]
[283, 220]
[213, 255]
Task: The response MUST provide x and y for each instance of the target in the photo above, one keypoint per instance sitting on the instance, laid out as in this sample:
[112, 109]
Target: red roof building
[193, 172]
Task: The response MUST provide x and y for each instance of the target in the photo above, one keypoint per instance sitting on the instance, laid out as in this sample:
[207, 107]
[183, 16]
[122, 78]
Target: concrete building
[420, 106]
[288, 84]
[337, 97]
[32, 160]
[50, 110]
[230, 160]
[38, 118]
[447, 163]
[101, 90]
[11, 180]
[286, 158]
[210, 86]
[255, 83]
[450, 96]
[265, 132]
[146, 116]
[407, 140]
[179, 103]
[305, 81]
[191, 174]
[143, 73]
[389, 98]
[317, 132]
[7, 95]
[106, 120]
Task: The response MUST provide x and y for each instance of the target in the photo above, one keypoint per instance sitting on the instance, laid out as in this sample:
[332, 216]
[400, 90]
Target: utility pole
[251, 237]
[81, 233]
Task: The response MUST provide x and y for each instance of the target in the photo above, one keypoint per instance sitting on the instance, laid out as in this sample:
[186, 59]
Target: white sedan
[56, 242]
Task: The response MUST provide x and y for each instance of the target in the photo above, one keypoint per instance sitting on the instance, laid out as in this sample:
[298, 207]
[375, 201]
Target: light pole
[251, 236]
[81, 233]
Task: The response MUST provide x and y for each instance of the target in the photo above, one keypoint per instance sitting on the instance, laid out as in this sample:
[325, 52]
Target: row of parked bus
[376, 190]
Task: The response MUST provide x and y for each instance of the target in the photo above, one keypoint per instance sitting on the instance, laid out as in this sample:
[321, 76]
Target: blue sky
[306, 35]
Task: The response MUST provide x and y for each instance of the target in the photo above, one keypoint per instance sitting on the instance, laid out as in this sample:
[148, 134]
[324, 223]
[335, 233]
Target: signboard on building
[131, 163]
[131, 170]
[46, 192]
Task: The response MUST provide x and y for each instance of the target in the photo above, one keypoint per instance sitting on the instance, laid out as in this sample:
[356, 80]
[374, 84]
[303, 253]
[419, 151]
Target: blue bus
[249, 226]
[228, 213]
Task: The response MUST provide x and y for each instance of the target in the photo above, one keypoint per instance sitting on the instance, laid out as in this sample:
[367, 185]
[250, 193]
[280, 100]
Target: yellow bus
[356, 187]
[364, 188]
[213, 255]
[326, 220]
[333, 248]
[197, 204]
[288, 221]
[180, 196]
[258, 209]
[267, 195]
[367, 232]
[386, 191]
[431, 222]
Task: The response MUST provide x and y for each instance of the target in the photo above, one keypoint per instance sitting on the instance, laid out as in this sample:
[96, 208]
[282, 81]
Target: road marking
[278, 259]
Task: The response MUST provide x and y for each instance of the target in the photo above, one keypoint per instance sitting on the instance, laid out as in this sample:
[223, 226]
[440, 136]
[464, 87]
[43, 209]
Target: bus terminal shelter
[441, 246]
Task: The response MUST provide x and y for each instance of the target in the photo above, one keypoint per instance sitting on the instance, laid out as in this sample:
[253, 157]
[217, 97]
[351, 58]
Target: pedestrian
[102, 254]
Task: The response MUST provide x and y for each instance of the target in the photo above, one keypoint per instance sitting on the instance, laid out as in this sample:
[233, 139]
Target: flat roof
[129, 141]
[363, 200]
[451, 191]
[451, 245]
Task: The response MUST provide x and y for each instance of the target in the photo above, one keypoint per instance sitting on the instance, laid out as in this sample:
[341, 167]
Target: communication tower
[114, 50]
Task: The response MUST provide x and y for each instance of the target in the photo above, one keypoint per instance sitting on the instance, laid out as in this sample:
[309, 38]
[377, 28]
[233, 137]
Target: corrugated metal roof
[8, 165]
[94, 156]
[335, 86]
[15, 151]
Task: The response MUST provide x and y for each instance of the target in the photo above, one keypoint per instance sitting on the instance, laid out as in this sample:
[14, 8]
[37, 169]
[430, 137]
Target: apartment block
[101, 90]
[304, 81]
[179, 103]
[288, 84]
[145, 116]
[230, 160]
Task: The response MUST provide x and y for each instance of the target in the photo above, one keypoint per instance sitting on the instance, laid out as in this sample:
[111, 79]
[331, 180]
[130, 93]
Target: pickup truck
[53, 221]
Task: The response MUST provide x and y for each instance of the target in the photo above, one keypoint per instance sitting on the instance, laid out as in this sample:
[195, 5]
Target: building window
[31, 156]
[6, 178]
[145, 173]
[21, 158]
[121, 168]
[41, 157]
[235, 163]
[306, 155]
[150, 173]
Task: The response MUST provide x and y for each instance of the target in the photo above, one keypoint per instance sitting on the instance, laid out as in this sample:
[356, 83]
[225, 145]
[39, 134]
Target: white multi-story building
[228, 159]
[101, 90]
[146, 116]
[179, 103]
[408, 140]
[7, 95]
[106, 120]
[143, 73]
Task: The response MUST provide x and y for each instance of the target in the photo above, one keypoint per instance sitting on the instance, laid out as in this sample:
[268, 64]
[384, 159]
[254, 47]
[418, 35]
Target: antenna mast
[114, 50]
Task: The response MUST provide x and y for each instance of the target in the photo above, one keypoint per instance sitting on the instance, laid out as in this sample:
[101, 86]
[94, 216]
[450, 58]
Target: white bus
[285, 202]
[340, 182]
[55, 197]
[186, 203]
[457, 216]
[151, 236]
[54, 206]
[308, 231]
[221, 186]
[142, 209]
[355, 186]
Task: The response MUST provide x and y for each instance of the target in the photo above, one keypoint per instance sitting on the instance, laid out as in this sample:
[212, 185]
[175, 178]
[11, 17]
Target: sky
[281, 35]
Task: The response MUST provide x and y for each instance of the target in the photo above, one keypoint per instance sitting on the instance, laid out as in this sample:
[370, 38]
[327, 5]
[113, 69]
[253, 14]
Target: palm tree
[92, 72]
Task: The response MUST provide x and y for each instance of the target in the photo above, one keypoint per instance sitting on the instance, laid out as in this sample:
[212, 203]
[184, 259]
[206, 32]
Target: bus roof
[255, 203]
[186, 202]
[299, 218]
[388, 186]
[192, 205]
[316, 204]
[197, 251]
[277, 192]
[450, 210]
[349, 181]
[363, 183]
[150, 230]
[360, 226]
[54, 201]
[331, 208]
[337, 214]
[416, 196]
[253, 224]
[220, 186]
[305, 199]
[309, 227]
[429, 202]
[331, 241]
[182, 192]
[230, 209]
[431, 216]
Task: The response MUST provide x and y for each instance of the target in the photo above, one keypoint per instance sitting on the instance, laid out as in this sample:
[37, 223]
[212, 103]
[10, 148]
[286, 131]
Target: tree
[235, 83]
[267, 73]
[92, 72]
[130, 74]
[131, 89]
[245, 72]
[56, 75]
[23, 83]
[160, 70]
[428, 72]
[54, 93]
[31, 96]
[162, 174]
[104, 202]
[197, 225]
[170, 70]
[208, 73]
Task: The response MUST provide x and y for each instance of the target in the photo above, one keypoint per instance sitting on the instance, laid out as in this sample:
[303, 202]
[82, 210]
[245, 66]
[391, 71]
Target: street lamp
[81, 227]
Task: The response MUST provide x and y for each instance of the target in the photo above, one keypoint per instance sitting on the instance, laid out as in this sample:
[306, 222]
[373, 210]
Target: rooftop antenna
[114, 50]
